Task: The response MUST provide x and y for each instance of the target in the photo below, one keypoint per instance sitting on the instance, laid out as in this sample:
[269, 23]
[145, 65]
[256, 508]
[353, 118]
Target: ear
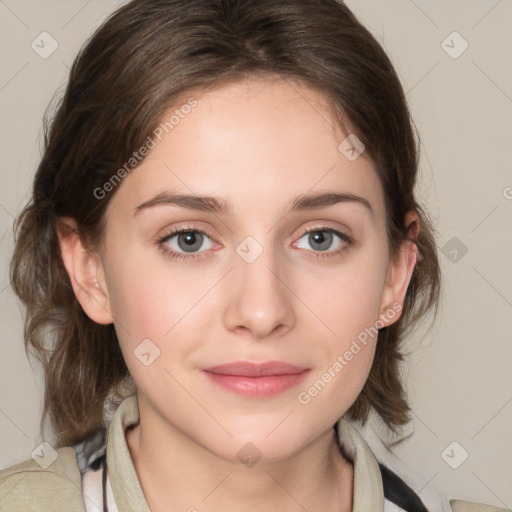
[399, 274]
[85, 271]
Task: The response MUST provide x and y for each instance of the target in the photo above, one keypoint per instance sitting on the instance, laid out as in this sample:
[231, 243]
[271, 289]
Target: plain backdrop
[453, 58]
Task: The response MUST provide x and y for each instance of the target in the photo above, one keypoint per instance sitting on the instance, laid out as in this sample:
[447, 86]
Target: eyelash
[161, 242]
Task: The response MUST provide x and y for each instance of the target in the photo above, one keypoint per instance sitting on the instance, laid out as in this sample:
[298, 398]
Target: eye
[183, 243]
[321, 239]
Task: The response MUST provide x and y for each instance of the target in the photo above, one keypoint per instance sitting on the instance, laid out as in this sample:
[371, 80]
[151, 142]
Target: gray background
[458, 375]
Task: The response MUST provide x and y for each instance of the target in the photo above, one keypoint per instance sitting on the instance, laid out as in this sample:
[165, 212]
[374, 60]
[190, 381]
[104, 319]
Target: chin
[259, 447]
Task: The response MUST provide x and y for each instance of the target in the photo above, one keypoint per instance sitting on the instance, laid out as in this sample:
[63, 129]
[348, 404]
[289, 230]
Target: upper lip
[248, 369]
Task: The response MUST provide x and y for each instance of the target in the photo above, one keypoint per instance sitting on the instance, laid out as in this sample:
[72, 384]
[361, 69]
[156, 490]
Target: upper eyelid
[183, 229]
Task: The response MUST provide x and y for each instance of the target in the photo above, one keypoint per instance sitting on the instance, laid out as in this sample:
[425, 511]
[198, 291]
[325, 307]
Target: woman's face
[245, 282]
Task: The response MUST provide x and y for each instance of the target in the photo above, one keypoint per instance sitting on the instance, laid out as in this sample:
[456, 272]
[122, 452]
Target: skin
[259, 144]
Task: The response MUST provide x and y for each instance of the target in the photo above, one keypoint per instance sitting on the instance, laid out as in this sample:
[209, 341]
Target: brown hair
[139, 63]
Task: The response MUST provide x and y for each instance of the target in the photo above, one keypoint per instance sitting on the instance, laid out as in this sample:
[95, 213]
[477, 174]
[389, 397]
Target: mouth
[256, 380]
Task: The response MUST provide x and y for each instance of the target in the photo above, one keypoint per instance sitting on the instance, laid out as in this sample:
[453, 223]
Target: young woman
[224, 251]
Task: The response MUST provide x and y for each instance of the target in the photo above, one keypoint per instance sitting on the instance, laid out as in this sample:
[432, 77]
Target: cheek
[148, 298]
[153, 303]
[135, 303]
[347, 349]
[347, 300]
[145, 311]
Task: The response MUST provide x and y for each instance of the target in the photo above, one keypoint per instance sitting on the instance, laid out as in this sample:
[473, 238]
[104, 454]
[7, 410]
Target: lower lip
[257, 386]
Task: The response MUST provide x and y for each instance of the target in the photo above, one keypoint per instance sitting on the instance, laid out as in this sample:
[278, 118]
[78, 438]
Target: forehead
[253, 142]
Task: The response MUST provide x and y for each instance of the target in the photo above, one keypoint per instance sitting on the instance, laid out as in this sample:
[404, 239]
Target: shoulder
[49, 483]
[400, 497]
[469, 506]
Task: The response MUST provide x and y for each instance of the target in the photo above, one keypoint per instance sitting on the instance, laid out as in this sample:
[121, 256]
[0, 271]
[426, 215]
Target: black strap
[104, 482]
[399, 493]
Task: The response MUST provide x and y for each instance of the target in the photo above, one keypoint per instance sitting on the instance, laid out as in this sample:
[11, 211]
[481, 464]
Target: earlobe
[85, 271]
[400, 272]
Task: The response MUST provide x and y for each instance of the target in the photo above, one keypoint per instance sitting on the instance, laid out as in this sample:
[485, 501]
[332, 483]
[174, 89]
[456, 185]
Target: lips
[247, 369]
[256, 380]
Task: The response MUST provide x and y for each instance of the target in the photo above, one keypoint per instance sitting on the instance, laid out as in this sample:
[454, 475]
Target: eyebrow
[219, 205]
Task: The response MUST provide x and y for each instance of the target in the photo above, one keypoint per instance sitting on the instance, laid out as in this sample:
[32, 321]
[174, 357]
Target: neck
[176, 473]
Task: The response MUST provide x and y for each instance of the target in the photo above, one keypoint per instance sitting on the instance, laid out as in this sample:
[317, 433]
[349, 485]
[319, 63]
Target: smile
[256, 379]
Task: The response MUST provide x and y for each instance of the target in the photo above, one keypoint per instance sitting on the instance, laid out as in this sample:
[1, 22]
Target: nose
[260, 300]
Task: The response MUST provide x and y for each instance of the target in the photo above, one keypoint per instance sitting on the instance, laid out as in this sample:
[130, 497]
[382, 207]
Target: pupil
[319, 238]
[191, 243]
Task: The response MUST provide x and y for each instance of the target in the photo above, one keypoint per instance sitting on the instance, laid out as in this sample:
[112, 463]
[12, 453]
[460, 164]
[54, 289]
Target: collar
[368, 488]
